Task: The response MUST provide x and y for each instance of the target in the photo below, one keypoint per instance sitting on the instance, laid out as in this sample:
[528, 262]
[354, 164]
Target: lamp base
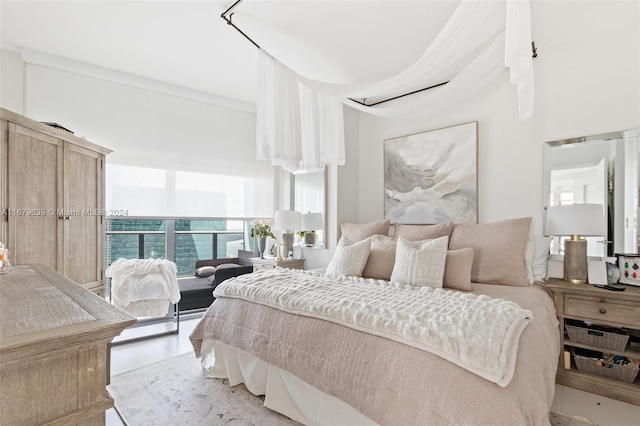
[309, 239]
[575, 261]
[287, 244]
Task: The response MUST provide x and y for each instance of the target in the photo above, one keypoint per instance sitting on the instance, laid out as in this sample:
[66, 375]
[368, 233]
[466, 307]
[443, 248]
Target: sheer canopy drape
[300, 121]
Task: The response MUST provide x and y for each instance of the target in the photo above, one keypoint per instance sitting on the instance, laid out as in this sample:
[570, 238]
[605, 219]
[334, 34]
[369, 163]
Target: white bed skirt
[283, 392]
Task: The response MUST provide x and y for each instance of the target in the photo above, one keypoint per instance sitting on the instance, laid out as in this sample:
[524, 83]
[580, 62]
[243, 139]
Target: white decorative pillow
[349, 257]
[528, 258]
[540, 257]
[420, 263]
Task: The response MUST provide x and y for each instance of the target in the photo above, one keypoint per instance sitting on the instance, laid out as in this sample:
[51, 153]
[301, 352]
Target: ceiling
[188, 44]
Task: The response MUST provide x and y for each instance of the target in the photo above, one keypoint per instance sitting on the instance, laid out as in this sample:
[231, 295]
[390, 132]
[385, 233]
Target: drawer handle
[603, 311]
[602, 300]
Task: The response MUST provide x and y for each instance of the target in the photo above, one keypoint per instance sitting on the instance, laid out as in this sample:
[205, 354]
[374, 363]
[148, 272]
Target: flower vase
[262, 245]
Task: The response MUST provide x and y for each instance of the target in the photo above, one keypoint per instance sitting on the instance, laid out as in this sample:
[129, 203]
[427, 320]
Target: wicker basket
[605, 369]
[602, 339]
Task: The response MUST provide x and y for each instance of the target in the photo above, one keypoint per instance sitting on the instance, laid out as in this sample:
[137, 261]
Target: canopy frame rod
[229, 18]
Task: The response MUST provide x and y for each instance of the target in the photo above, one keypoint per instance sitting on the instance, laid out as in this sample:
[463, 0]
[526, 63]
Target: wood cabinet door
[34, 197]
[83, 230]
[4, 140]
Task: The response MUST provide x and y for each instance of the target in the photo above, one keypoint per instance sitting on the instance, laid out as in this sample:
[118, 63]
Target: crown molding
[84, 68]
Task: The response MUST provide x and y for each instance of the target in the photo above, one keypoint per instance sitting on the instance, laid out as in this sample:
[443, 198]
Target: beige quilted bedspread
[390, 382]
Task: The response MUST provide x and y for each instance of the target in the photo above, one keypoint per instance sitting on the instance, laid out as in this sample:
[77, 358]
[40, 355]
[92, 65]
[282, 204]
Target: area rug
[176, 392]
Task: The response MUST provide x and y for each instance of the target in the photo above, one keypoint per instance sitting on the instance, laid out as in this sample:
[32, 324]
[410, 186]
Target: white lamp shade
[312, 222]
[576, 219]
[287, 220]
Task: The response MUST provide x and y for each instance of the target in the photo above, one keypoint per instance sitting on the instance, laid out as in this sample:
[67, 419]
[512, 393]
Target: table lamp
[311, 222]
[575, 220]
[287, 221]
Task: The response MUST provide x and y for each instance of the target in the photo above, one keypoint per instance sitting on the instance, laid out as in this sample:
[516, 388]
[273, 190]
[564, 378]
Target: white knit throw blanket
[477, 333]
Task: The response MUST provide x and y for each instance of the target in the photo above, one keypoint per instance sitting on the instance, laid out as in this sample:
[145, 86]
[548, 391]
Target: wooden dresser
[54, 349]
[584, 302]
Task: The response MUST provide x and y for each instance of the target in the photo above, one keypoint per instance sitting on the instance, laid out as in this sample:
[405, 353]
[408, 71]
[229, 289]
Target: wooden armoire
[52, 199]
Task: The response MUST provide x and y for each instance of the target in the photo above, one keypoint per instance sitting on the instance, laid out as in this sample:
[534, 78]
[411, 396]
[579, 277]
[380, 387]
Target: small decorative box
[629, 266]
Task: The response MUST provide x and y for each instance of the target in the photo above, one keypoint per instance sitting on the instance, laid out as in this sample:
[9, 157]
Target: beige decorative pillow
[423, 232]
[457, 271]
[205, 271]
[420, 263]
[349, 257]
[358, 231]
[499, 250]
[381, 258]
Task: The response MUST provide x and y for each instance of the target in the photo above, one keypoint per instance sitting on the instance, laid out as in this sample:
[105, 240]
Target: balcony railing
[183, 241]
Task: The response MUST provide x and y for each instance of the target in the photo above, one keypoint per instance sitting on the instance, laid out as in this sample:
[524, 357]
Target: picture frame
[431, 177]
[629, 267]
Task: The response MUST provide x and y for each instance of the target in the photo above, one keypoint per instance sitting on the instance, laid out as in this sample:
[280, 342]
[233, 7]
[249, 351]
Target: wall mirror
[600, 169]
[308, 194]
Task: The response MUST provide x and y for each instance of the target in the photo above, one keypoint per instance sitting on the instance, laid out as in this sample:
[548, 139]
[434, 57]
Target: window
[183, 241]
[135, 239]
[205, 239]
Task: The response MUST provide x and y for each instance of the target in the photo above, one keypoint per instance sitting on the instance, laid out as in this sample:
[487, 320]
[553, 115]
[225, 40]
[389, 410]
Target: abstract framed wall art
[432, 177]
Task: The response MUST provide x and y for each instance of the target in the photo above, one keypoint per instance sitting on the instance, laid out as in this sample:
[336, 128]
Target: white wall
[11, 81]
[587, 81]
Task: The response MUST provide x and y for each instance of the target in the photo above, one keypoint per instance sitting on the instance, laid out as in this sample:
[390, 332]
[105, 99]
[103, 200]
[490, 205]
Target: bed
[294, 337]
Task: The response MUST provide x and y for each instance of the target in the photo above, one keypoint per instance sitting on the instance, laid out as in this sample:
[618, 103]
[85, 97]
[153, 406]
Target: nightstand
[270, 263]
[595, 306]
